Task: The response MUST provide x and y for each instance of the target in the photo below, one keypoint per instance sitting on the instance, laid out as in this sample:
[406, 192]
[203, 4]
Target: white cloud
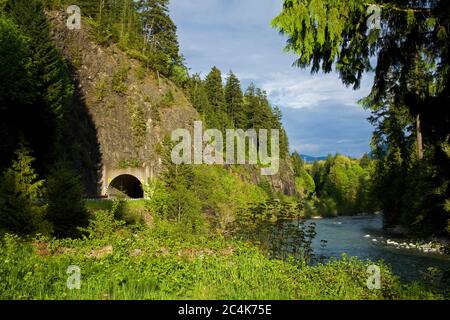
[300, 90]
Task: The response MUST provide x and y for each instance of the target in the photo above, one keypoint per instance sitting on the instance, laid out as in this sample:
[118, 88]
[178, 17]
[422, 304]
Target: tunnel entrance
[127, 186]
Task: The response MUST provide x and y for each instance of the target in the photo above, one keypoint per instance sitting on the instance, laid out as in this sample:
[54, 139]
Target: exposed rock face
[124, 99]
[128, 105]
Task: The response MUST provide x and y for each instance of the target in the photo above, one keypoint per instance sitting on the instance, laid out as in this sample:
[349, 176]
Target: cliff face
[131, 108]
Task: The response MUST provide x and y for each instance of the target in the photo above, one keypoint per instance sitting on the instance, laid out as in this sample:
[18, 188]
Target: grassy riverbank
[155, 259]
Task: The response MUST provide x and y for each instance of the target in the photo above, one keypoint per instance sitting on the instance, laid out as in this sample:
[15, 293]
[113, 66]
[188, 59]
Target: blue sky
[320, 114]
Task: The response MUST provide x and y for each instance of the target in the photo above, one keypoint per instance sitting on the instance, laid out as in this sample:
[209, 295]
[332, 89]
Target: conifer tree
[411, 84]
[42, 124]
[216, 97]
[160, 34]
[20, 191]
[234, 99]
[199, 98]
[66, 208]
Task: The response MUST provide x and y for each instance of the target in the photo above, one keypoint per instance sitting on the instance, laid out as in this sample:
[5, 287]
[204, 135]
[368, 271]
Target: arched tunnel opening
[127, 186]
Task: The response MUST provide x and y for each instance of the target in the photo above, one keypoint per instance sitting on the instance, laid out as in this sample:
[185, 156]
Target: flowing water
[349, 235]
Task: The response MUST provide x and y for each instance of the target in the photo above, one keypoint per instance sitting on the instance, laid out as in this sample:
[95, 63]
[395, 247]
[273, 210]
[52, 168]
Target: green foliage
[343, 186]
[98, 32]
[318, 30]
[141, 73]
[166, 263]
[167, 100]
[234, 99]
[138, 125]
[199, 98]
[279, 228]
[408, 100]
[160, 37]
[225, 107]
[65, 205]
[101, 87]
[304, 183]
[20, 191]
[132, 163]
[176, 200]
[119, 79]
[16, 73]
[230, 195]
[218, 118]
[102, 225]
[39, 91]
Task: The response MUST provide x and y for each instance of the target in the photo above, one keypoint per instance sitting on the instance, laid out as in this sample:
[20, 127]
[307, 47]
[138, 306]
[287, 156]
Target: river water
[349, 235]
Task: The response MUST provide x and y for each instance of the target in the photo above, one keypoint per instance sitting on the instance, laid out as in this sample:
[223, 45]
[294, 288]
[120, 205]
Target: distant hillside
[307, 158]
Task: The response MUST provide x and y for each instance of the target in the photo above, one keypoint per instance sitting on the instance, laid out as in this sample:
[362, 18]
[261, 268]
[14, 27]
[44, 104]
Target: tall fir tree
[160, 34]
[198, 96]
[41, 120]
[216, 98]
[234, 99]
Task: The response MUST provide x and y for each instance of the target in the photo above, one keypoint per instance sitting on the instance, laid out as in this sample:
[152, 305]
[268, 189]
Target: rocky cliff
[132, 108]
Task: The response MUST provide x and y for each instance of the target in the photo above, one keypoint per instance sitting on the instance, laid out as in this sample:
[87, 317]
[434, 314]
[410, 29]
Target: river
[349, 235]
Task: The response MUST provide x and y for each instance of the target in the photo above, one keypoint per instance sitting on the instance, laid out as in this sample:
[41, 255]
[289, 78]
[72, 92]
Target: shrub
[138, 125]
[167, 100]
[100, 90]
[141, 72]
[102, 225]
[278, 228]
[133, 163]
[119, 79]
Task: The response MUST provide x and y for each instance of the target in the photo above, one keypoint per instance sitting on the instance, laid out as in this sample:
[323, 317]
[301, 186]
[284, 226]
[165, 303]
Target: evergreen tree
[303, 181]
[251, 104]
[297, 163]
[259, 109]
[182, 203]
[198, 96]
[216, 98]
[20, 191]
[160, 34]
[41, 120]
[66, 207]
[411, 83]
[277, 124]
[234, 99]
[17, 88]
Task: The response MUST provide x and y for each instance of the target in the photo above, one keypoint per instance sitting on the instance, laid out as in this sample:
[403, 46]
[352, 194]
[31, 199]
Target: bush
[119, 79]
[167, 100]
[327, 207]
[277, 226]
[102, 225]
[66, 207]
[100, 90]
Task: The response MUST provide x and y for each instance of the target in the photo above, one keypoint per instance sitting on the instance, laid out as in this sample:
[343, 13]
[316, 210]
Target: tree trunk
[419, 138]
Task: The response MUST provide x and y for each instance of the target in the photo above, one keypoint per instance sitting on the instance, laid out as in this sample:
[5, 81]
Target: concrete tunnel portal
[126, 185]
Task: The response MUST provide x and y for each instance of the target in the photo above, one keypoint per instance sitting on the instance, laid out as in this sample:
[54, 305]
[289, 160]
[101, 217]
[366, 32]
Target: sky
[320, 114]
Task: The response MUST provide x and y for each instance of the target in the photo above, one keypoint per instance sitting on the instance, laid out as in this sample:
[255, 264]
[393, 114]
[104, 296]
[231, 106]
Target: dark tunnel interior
[126, 185]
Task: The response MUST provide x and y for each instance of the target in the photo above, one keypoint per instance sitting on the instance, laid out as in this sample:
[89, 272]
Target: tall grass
[164, 262]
